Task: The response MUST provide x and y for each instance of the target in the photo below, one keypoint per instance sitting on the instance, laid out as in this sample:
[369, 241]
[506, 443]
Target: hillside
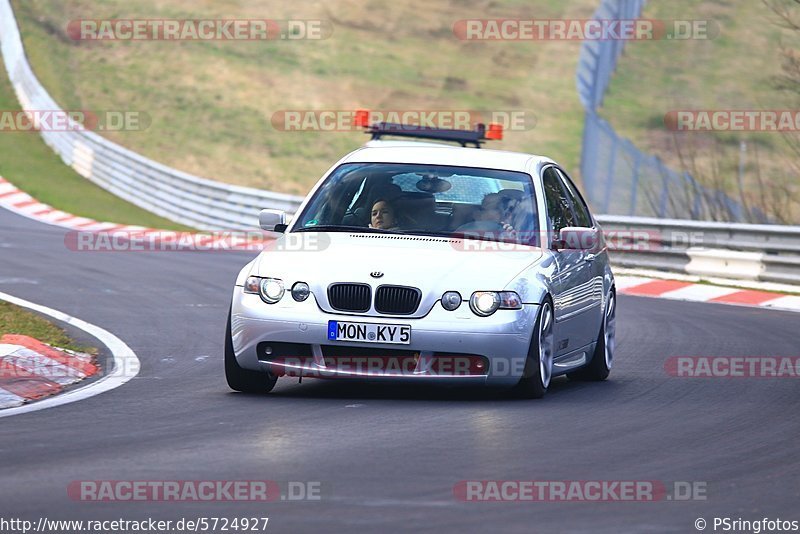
[211, 103]
[737, 70]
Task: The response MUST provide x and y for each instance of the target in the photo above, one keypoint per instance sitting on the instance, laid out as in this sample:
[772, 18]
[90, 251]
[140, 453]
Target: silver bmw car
[414, 261]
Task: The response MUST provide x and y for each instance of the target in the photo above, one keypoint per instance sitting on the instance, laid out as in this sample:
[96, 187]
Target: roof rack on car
[474, 137]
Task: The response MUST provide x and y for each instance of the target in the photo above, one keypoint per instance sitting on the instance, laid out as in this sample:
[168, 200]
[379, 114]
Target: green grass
[15, 320]
[735, 70]
[211, 102]
[33, 167]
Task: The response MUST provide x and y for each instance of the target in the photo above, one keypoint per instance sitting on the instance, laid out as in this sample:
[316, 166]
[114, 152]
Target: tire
[244, 380]
[603, 357]
[539, 364]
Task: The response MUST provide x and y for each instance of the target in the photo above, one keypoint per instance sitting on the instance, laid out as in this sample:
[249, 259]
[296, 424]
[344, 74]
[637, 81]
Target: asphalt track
[388, 458]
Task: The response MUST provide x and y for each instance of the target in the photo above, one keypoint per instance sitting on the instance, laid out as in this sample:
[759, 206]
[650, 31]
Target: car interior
[421, 210]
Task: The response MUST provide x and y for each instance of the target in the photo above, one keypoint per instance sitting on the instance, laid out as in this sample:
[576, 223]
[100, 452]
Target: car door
[572, 281]
[594, 298]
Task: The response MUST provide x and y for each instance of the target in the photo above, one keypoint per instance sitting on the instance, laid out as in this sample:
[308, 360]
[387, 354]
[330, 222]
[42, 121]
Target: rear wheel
[603, 357]
[539, 365]
[244, 380]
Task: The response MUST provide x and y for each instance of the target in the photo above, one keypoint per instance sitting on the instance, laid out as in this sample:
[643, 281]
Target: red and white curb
[53, 369]
[691, 291]
[22, 203]
[108, 234]
[31, 370]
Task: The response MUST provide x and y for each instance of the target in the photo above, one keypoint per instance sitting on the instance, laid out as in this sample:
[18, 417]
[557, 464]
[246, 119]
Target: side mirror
[577, 238]
[272, 220]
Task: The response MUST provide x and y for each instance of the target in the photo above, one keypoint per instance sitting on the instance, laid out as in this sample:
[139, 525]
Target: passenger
[526, 223]
[494, 215]
[512, 199]
[383, 215]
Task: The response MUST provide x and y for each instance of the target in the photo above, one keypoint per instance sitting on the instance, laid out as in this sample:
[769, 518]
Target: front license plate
[399, 334]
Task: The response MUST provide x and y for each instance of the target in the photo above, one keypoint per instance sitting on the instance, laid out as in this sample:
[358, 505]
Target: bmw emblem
[376, 274]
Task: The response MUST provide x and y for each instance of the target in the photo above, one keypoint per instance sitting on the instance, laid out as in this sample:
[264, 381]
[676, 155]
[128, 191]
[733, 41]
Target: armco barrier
[758, 252]
[175, 195]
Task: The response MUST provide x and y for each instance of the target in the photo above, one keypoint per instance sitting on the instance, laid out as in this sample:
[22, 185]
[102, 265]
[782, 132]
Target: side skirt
[573, 360]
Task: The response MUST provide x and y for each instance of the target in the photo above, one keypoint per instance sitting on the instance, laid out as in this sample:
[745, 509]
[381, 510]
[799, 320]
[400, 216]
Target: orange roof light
[495, 131]
[362, 118]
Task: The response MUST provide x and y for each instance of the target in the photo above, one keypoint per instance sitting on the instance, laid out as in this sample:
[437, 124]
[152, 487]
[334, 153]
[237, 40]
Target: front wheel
[244, 380]
[539, 365]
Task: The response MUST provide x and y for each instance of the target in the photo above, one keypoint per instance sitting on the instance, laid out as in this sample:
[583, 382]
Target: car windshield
[433, 200]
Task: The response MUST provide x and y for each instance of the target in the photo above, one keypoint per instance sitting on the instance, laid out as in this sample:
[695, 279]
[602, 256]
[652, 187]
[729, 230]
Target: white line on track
[126, 364]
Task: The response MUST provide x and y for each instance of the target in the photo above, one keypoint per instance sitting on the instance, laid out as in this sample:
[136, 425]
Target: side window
[558, 211]
[582, 217]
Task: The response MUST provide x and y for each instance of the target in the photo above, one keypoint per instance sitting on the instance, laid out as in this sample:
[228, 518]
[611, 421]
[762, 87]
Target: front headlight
[269, 289]
[485, 303]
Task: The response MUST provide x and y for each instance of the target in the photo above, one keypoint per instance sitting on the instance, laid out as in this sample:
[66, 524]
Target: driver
[383, 215]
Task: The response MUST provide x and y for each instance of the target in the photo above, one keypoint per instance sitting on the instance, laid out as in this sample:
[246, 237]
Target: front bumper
[500, 340]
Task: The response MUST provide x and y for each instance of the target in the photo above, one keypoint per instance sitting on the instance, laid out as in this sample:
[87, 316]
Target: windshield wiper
[343, 228]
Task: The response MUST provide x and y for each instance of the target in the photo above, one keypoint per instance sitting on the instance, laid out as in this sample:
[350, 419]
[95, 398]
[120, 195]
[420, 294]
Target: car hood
[432, 264]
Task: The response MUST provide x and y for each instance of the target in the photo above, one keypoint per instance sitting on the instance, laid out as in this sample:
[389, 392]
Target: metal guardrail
[757, 252]
[170, 193]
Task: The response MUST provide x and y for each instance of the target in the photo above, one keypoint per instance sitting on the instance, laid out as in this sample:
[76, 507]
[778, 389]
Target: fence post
[635, 180]
[662, 170]
[697, 204]
[612, 163]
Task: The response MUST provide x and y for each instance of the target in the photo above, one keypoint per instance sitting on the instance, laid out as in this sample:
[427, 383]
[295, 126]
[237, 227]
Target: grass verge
[15, 320]
[211, 102]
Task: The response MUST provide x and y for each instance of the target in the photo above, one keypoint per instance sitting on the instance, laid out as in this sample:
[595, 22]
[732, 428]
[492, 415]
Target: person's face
[509, 206]
[382, 216]
[498, 209]
[493, 208]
